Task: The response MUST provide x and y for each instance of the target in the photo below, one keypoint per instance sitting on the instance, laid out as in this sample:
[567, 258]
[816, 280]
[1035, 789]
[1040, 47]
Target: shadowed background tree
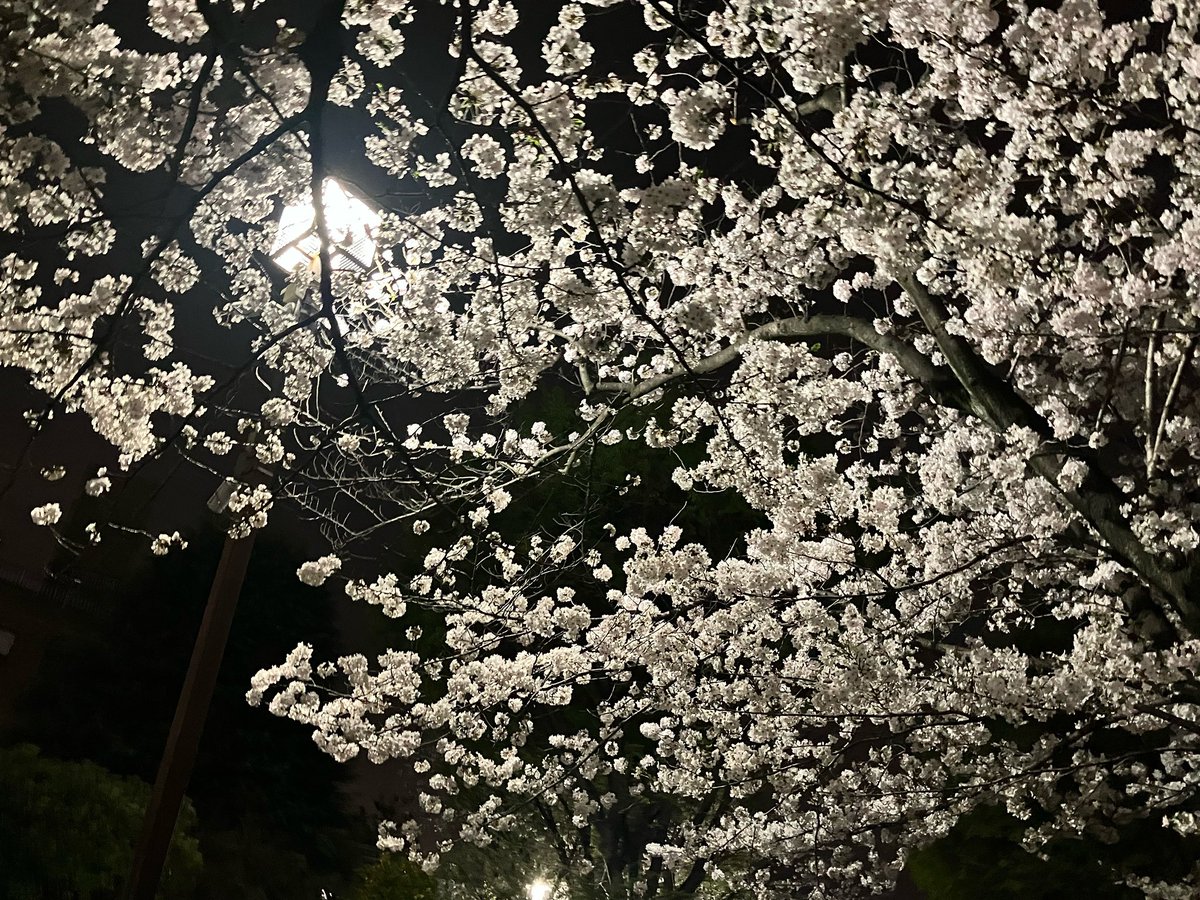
[67, 830]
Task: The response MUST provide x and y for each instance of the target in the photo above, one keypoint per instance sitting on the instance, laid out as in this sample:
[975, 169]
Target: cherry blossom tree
[912, 281]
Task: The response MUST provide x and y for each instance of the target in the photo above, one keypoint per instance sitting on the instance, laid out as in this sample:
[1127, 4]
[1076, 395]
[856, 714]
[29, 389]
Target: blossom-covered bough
[915, 281]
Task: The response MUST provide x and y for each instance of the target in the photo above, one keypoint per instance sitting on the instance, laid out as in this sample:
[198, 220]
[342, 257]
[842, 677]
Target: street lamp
[350, 225]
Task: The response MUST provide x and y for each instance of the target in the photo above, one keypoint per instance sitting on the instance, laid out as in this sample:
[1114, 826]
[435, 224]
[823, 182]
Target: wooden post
[179, 755]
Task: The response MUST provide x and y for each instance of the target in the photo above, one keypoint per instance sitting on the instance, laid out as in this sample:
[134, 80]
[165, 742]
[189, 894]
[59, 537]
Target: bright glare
[351, 224]
[539, 890]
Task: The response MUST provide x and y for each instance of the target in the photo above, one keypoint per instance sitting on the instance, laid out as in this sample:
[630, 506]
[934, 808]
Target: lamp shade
[349, 221]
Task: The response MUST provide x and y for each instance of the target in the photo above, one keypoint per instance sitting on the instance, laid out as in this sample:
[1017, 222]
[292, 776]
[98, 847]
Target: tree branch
[1172, 392]
[940, 384]
[1097, 500]
[1148, 400]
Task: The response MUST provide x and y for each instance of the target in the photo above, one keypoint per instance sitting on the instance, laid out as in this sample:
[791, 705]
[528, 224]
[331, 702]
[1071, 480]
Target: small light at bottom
[539, 890]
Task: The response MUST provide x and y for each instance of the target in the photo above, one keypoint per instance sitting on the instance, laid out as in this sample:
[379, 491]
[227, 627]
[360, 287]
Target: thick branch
[323, 58]
[937, 381]
[1097, 500]
[972, 386]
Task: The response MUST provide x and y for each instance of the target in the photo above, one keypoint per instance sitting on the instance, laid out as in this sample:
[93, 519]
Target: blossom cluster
[913, 283]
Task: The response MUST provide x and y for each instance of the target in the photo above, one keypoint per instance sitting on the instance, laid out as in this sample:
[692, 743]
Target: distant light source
[349, 221]
[539, 890]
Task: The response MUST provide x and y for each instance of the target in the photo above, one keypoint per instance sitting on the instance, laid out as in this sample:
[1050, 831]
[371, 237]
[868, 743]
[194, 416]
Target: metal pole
[179, 755]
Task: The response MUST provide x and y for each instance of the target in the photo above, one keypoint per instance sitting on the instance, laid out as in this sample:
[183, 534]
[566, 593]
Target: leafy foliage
[982, 858]
[68, 829]
[392, 877]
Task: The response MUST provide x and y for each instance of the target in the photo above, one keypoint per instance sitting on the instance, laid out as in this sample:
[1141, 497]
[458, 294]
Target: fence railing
[86, 592]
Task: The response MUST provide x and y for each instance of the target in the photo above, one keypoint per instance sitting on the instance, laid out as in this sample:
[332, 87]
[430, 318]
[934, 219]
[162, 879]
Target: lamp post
[351, 223]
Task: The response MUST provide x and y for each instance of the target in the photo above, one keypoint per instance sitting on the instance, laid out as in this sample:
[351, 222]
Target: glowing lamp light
[349, 221]
[539, 890]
